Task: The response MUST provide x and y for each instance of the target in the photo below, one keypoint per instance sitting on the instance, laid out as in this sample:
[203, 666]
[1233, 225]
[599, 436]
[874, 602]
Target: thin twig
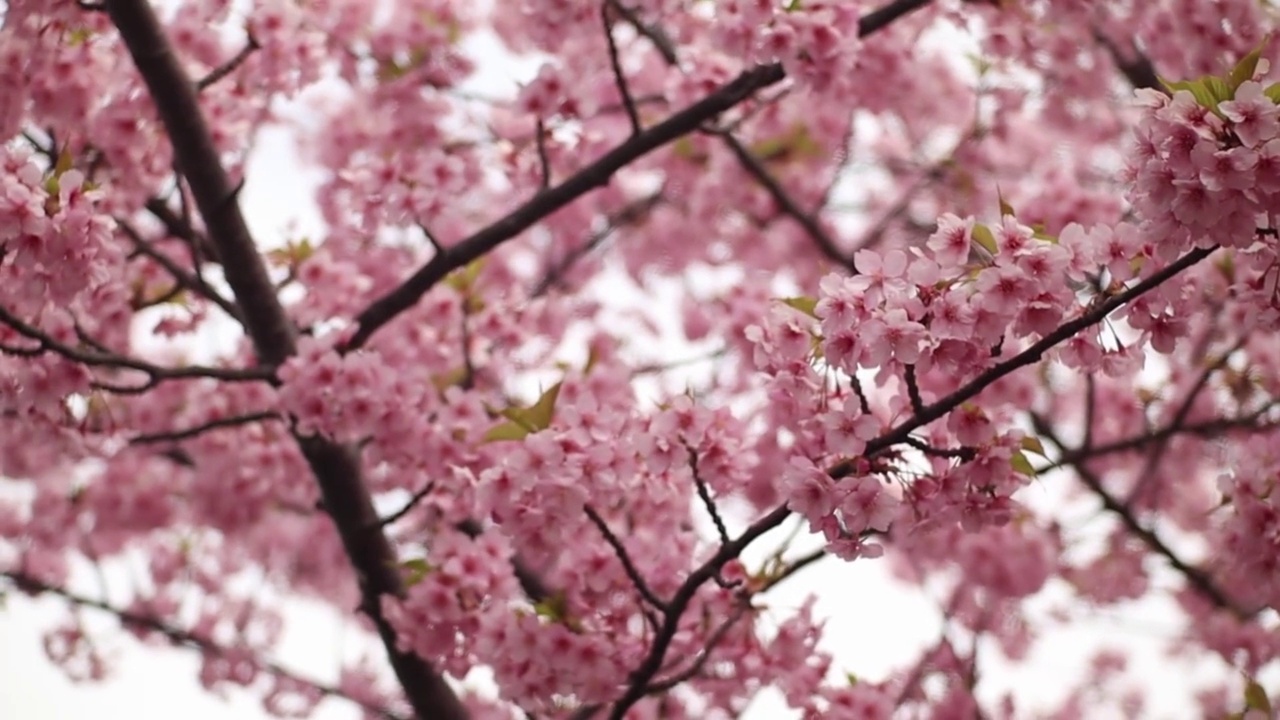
[229, 66]
[632, 573]
[544, 161]
[653, 33]
[535, 588]
[705, 494]
[913, 388]
[788, 205]
[198, 430]
[184, 279]
[410, 504]
[794, 567]
[155, 373]
[628, 215]
[1207, 428]
[619, 77]
[1157, 451]
[963, 453]
[638, 686]
[716, 637]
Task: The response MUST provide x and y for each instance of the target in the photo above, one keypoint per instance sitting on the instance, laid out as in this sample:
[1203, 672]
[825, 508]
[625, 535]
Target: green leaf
[294, 253]
[1255, 697]
[686, 149]
[982, 235]
[79, 36]
[1273, 91]
[415, 570]
[539, 416]
[795, 143]
[65, 162]
[506, 431]
[1039, 232]
[981, 65]
[1243, 71]
[815, 347]
[851, 679]
[1227, 266]
[463, 279]
[1021, 464]
[553, 607]
[1005, 207]
[804, 304]
[523, 421]
[593, 357]
[445, 380]
[1032, 443]
[1208, 90]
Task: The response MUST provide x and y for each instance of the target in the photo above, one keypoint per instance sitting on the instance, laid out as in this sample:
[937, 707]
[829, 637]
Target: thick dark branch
[595, 175]
[1136, 68]
[176, 101]
[386, 308]
[882, 18]
[178, 637]
[337, 468]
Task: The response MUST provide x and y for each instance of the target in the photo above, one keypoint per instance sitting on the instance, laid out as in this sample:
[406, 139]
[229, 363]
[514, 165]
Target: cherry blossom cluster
[1205, 174]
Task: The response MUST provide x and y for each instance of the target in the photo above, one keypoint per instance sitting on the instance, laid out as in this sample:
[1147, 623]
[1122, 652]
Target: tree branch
[336, 467]
[620, 78]
[547, 201]
[101, 358]
[640, 680]
[631, 213]
[406, 295]
[787, 204]
[184, 279]
[202, 428]
[618, 549]
[1031, 355]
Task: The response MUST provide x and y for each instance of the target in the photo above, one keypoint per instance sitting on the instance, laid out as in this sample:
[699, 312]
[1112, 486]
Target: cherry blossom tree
[939, 257]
